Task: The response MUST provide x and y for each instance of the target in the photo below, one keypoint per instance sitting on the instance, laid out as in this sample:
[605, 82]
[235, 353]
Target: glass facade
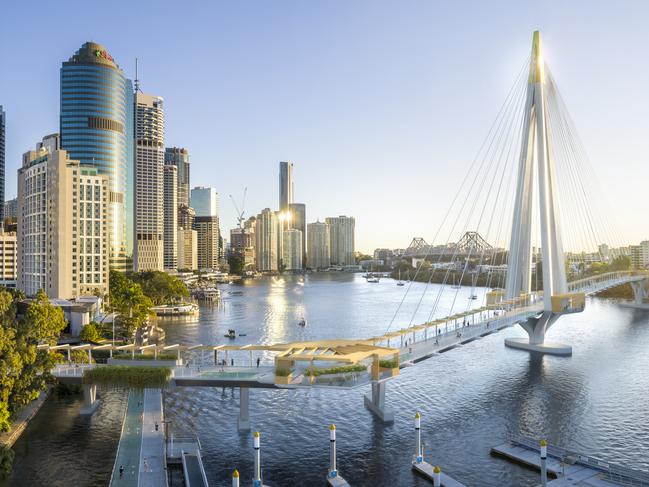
[96, 128]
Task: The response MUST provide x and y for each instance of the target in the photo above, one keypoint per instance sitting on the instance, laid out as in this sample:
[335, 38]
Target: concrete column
[376, 403]
[437, 476]
[243, 422]
[639, 291]
[235, 478]
[90, 401]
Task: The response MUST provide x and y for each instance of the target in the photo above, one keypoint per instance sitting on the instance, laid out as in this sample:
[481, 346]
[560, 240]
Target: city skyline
[402, 108]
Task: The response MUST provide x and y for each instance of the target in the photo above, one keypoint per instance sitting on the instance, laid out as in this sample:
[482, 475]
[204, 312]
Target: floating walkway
[140, 459]
[571, 469]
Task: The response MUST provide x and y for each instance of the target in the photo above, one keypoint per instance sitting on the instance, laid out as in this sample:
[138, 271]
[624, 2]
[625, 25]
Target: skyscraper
[342, 240]
[62, 224]
[96, 127]
[285, 185]
[179, 157]
[318, 243]
[149, 183]
[266, 240]
[292, 249]
[170, 217]
[3, 128]
[205, 201]
[208, 235]
[297, 221]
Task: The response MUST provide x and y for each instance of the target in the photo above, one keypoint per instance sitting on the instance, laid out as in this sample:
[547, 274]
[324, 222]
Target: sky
[381, 105]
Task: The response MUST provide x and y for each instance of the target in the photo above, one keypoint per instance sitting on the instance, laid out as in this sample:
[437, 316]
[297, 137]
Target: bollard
[419, 454]
[437, 476]
[333, 472]
[256, 480]
[544, 467]
[235, 478]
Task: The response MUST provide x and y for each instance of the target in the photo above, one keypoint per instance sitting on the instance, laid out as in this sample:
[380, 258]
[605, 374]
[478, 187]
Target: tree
[6, 461]
[160, 287]
[129, 301]
[90, 333]
[237, 262]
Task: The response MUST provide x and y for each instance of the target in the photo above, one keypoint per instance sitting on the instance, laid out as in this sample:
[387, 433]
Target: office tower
[285, 185]
[186, 215]
[3, 128]
[242, 241]
[205, 201]
[318, 243]
[96, 127]
[297, 221]
[341, 240]
[292, 250]
[187, 249]
[149, 183]
[170, 217]
[62, 224]
[207, 232]
[179, 157]
[11, 208]
[8, 259]
[266, 240]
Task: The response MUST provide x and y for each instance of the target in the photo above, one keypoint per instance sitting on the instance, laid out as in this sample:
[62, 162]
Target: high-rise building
[187, 249]
[297, 220]
[208, 234]
[149, 183]
[96, 126]
[11, 208]
[205, 201]
[318, 243]
[8, 259]
[342, 240]
[179, 157]
[242, 241]
[266, 241]
[285, 185]
[170, 217]
[62, 224]
[186, 215]
[3, 128]
[292, 249]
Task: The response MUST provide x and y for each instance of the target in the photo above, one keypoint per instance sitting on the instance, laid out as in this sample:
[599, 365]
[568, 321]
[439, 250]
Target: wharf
[425, 469]
[571, 469]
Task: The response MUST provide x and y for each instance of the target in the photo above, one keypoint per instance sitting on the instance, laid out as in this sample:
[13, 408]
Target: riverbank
[19, 424]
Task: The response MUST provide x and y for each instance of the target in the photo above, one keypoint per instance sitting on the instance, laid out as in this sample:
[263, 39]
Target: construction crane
[240, 212]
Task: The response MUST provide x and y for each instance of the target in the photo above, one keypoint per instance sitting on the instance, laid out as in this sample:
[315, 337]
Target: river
[470, 398]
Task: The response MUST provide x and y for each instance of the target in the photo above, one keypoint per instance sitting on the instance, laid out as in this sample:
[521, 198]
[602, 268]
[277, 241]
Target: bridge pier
[375, 402]
[243, 421]
[640, 291]
[536, 329]
[90, 401]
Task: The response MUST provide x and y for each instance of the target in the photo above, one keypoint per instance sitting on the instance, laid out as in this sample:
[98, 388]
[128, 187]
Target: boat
[373, 279]
[474, 296]
[184, 309]
[231, 334]
[399, 282]
[235, 293]
[302, 322]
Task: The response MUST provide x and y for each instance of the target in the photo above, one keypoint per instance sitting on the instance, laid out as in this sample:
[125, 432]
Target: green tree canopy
[129, 301]
[160, 287]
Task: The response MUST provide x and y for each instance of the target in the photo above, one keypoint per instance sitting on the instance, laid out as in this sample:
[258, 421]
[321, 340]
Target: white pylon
[536, 144]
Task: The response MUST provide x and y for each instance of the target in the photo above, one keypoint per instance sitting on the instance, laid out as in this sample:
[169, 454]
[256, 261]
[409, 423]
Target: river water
[471, 398]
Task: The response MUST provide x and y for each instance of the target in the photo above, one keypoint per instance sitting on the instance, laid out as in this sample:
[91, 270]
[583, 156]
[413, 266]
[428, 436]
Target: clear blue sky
[381, 105]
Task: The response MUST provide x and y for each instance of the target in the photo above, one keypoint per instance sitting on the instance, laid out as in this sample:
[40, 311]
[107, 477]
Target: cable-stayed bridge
[529, 190]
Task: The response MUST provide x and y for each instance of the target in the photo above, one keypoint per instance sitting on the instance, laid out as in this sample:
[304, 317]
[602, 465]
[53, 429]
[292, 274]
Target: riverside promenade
[141, 451]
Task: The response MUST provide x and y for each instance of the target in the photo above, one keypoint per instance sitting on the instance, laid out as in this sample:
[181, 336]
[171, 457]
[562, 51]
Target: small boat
[373, 279]
[235, 293]
[302, 322]
[231, 334]
[474, 296]
[243, 334]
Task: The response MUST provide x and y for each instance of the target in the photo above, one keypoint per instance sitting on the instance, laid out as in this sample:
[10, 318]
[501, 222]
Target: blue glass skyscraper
[96, 128]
